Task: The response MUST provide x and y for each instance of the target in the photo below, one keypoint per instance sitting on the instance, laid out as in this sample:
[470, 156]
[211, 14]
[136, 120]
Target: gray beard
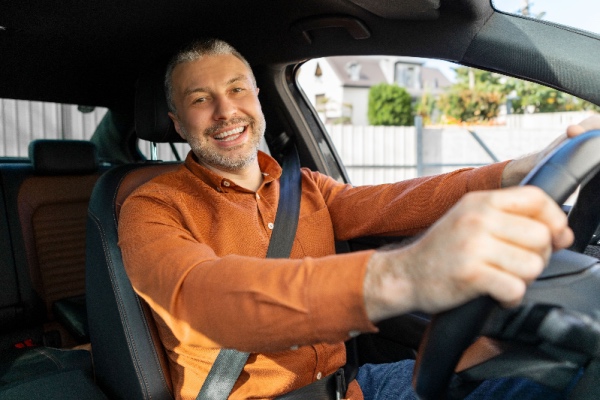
[231, 164]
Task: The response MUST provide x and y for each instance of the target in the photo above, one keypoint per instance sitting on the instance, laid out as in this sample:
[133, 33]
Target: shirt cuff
[336, 297]
[487, 177]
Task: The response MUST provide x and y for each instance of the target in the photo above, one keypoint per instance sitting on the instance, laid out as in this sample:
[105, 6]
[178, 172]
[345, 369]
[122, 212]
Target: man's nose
[225, 108]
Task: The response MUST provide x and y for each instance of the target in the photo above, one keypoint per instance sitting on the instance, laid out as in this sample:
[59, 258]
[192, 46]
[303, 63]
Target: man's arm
[404, 208]
[234, 301]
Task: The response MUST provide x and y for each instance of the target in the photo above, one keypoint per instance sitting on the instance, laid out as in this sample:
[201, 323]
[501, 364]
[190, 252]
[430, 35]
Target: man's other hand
[516, 170]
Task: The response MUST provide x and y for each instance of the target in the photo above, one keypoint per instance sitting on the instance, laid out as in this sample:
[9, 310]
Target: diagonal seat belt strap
[288, 207]
[223, 374]
[229, 363]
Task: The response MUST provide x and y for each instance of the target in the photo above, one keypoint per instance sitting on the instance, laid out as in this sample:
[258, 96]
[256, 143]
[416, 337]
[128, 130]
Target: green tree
[535, 98]
[476, 96]
[426, 108]
[390, 104]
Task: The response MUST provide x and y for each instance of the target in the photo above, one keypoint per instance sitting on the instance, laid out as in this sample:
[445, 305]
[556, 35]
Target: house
[339, 86]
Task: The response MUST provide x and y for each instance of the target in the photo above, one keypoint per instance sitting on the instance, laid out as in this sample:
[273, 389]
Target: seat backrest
[129, 359]
[21, 307]
[12, 306]
[46, 203]
[52, 210]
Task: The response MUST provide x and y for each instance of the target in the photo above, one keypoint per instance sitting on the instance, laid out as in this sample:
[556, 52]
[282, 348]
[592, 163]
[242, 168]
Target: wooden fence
[377, 154]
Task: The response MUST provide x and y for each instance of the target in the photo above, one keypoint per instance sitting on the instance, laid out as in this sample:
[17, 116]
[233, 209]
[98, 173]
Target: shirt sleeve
[404, 208]
[246, 303]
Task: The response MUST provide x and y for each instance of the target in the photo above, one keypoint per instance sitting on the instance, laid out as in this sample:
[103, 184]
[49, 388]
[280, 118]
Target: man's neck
[250, 177]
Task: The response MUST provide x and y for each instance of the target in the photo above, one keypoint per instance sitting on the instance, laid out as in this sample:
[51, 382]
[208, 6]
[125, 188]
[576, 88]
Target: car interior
[71, 325]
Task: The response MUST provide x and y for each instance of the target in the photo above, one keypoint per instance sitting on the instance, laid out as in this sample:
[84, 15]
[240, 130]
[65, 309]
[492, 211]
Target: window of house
[407, 76]
[353, 69]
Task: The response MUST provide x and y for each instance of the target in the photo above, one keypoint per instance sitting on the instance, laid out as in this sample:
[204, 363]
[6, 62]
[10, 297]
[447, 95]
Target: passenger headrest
[151, 120]
[63, 157]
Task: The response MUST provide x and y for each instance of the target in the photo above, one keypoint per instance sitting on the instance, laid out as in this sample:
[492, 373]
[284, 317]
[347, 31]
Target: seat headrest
[63, 157]
[151, 120]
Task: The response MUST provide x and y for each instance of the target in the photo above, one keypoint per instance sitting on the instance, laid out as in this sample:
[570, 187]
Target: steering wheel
[575, 162]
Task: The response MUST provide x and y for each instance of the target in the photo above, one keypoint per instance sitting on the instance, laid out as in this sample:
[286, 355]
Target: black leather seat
[129, 359]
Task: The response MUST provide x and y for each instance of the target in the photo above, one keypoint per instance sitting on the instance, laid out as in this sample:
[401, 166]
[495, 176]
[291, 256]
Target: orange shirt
[194, 244]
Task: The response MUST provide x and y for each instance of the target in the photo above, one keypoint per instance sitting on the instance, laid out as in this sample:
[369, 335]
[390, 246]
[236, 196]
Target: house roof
[370, 71]
[433, 78]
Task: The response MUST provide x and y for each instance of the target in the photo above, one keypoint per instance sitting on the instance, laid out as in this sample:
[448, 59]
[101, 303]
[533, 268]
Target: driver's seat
[130, 362]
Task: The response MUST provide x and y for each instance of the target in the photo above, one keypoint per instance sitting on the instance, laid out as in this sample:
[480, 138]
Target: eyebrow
[235, 79]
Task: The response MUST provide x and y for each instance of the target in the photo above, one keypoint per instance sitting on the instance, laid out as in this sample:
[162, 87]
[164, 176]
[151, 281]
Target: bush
[390, 105]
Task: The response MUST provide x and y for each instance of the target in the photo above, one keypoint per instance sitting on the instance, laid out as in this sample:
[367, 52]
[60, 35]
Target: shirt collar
[268, 166]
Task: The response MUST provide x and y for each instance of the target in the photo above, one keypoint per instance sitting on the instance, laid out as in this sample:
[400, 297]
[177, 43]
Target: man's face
[218, 111]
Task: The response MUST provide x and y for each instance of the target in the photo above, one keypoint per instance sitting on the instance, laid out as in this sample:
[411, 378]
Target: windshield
[580, 14]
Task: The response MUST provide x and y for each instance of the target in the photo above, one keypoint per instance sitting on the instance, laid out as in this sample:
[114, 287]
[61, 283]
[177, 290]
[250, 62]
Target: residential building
[339, 86]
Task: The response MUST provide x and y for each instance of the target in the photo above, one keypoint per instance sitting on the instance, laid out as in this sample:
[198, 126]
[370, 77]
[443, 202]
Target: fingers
[587, 124]
[504, 288]
[524, 262]
[532, 203]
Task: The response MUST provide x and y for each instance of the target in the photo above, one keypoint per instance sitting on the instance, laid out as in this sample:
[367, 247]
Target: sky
[582, 14]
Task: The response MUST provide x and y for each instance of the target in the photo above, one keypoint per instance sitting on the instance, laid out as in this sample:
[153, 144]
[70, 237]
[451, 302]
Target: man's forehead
[211, 70]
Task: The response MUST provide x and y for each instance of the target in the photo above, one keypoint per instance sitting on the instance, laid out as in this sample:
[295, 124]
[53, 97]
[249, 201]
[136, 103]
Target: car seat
[130, 362]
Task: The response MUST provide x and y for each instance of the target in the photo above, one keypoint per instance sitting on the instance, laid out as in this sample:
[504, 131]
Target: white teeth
[223, 135]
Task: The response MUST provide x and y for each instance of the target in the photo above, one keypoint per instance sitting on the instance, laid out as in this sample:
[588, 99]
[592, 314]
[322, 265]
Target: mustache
[222, 125]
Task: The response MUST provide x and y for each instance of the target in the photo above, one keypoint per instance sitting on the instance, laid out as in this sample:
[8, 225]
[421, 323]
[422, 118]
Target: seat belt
[229, 363]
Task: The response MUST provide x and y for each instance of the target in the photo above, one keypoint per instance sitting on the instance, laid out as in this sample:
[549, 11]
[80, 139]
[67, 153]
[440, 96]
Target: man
[194, 242]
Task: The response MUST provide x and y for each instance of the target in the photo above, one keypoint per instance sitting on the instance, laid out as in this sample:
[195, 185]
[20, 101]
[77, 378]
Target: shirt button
[226, 183]
[257, 196]
[319, 375]
[270, 225]
[295, 347]
[353, 334]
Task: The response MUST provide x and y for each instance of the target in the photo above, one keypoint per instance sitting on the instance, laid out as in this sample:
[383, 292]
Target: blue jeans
[394, 381]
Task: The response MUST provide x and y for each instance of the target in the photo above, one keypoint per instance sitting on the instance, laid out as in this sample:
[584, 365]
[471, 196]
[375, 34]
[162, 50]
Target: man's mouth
[230, 135]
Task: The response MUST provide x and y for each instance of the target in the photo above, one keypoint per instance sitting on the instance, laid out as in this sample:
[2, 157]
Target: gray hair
[193, 52]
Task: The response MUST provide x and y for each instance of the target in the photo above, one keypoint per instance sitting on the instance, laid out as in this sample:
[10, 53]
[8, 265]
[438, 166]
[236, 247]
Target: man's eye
[238, 90]
[200, 100]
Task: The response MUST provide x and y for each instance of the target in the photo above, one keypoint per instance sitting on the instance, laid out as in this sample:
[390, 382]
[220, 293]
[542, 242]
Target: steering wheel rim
[573, 163]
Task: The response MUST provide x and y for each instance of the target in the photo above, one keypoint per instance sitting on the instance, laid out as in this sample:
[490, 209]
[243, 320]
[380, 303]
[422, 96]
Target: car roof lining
[91, 54]
[411, 9]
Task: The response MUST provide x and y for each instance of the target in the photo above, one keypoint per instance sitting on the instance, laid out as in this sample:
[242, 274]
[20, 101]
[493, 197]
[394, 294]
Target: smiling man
[215, 108]
[194, 244]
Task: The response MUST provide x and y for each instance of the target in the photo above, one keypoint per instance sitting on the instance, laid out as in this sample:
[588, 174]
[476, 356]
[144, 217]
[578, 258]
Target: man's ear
[177, 124]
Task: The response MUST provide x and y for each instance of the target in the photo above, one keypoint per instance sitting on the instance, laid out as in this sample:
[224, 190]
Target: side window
[23, 121]
[164, 151]
[401, 117]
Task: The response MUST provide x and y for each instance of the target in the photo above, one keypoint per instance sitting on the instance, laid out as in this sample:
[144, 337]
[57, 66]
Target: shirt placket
[266, 207]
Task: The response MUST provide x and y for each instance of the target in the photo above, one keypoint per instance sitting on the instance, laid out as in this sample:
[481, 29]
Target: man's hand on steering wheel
[491, 242]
